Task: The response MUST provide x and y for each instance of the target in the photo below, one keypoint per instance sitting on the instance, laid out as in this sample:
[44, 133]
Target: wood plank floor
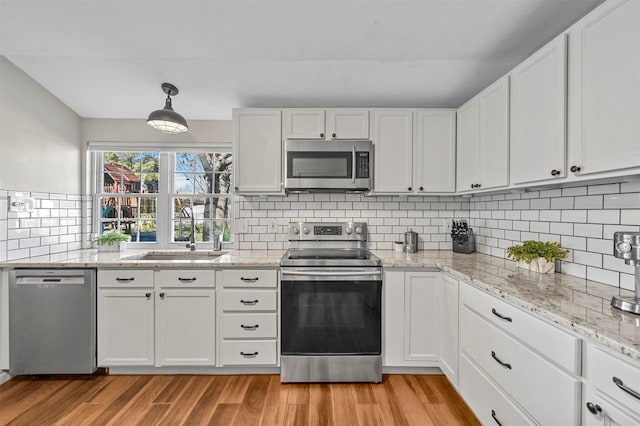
[230, 400]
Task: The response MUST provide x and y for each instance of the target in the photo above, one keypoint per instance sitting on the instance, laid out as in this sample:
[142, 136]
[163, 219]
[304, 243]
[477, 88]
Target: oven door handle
[331, 273]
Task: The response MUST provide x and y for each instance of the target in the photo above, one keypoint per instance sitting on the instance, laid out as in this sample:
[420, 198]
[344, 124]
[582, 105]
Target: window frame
[166, 191]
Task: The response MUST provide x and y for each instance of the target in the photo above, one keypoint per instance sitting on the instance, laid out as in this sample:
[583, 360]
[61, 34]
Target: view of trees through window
[199, 187]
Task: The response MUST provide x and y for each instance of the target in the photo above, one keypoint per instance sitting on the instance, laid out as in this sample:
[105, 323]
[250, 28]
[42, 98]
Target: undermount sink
[175, 255]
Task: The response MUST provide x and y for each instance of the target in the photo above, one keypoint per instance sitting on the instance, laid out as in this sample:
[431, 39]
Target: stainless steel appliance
[331, 324]
[626, 245]
[411, 241]
[338, 165]
[52, 321]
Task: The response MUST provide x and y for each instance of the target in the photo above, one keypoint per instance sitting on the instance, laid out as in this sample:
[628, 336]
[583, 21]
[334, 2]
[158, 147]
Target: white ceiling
[107, 58]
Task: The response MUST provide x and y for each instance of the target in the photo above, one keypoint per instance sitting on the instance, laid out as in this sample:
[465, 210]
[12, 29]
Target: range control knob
[348, 231]
[358, 230]
[305, 229]
[295, 230]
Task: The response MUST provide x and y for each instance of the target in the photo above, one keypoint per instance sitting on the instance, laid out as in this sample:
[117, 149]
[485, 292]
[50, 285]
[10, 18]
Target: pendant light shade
[166, 119]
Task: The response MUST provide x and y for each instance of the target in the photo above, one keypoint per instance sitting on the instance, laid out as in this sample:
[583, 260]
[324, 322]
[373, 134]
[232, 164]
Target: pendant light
[166, 119]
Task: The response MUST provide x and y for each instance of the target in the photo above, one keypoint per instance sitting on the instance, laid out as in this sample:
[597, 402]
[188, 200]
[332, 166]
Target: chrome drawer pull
[249, 302]
[249, 355]
[628, 390]
[504, 364]
[186, 280]
[249, 280]
[494, 312]
[249, 327]
[493, 414]
[125, 280]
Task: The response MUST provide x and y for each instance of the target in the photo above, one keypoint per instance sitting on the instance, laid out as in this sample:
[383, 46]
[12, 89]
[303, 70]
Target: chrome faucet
[191, 245]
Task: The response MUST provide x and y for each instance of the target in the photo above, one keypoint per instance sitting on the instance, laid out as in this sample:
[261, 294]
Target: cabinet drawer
[557, 345]
[249, 300]
[250, 326]
[125, 278]
[238, 352]
[250, 278]
[603, 367]
[186, 278]
[546, 392]
[486, 401]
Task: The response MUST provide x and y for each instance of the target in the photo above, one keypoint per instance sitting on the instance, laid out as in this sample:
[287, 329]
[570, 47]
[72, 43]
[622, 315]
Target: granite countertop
[574, 303]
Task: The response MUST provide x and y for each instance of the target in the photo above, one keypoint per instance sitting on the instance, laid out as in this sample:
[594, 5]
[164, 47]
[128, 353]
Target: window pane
[150, 182]
[144, 231]
[183, 183]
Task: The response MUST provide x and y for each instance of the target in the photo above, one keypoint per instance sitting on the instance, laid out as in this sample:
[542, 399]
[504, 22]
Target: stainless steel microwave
[322, 165]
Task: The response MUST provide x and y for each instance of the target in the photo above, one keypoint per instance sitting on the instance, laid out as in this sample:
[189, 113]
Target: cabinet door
[348, 124]
[125, 327]
[607, 412]
[538, 115]
[393, 139]
[393, 318]
[303, 124]
[447, 320]
[257, 148]
[604, 89]
[434, 160]
[420, 322]
[467, 152]
[493, 134]
[185, 327]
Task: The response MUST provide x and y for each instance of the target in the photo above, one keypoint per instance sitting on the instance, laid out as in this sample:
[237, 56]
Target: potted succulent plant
[112, 241]
[537, 256]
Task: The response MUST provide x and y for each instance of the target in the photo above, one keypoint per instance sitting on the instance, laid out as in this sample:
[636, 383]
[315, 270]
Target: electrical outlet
[271, 225]
[447, 225]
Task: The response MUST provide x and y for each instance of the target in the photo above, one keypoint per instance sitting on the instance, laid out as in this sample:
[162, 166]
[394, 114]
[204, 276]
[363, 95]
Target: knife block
[463, 242]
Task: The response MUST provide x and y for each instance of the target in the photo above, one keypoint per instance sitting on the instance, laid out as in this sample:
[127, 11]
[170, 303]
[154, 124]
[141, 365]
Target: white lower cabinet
[125, 326]
[612, 391]
[447, 330]
[185, 327]
[249, 317]
[521, 367]
[410, 324]
[148, 318]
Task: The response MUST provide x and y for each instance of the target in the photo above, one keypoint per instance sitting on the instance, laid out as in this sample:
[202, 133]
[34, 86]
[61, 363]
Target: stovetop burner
[318, 244]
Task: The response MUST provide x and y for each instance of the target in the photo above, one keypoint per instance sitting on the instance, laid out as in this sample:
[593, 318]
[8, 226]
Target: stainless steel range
[331, 305]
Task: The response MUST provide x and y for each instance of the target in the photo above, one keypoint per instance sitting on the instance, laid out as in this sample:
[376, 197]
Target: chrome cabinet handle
[249, 354]
[625, 388]
[495, 418]
[249, 327]
[248, 302]
[504, 364]
[124, 280]
[494, 312]
[249, 280]
[186, 280]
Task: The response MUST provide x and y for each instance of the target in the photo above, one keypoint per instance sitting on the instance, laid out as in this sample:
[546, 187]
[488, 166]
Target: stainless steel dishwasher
[52, 321]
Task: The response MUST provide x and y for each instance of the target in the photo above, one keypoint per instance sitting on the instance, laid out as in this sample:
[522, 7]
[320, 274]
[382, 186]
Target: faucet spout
[191, 245]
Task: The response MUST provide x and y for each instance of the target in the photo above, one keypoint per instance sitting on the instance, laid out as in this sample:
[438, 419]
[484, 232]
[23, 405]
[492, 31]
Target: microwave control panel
[362, 165]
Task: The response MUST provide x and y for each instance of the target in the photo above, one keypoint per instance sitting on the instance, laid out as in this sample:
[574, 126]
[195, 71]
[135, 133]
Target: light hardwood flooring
[230, 400]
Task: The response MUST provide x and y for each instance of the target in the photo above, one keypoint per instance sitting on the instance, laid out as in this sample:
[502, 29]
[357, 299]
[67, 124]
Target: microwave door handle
[353, 166]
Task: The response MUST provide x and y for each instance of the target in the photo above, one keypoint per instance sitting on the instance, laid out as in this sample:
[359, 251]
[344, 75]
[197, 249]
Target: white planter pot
[539, 265]
[112, 247]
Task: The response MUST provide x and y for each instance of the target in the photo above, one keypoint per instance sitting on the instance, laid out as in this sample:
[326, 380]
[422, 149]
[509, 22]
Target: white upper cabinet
[304, 123]
[434, 151]
[392, 134]
[467, 165]
[538, 115]
[493, 134]
[257, 144]
[604, 90]
[348, 124]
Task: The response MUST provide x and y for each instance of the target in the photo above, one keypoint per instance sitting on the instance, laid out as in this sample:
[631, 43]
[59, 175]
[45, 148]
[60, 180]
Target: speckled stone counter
[575, 303]
[127, 259]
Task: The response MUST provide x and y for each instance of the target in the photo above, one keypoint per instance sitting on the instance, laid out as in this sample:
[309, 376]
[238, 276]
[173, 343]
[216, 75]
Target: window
[154, 196]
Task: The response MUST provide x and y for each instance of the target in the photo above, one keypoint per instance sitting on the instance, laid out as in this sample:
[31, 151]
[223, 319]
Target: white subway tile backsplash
[603, 216]
[576, 243]
[604, 189]
[622, 201]
[630, 217]
[603, 275]
[588, 202]
[587, 230]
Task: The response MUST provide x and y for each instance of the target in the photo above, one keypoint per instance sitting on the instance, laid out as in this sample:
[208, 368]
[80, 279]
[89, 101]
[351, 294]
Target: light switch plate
[21, 204]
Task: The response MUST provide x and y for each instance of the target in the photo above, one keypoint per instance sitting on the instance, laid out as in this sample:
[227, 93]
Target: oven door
[331, 312]
[322, 165]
